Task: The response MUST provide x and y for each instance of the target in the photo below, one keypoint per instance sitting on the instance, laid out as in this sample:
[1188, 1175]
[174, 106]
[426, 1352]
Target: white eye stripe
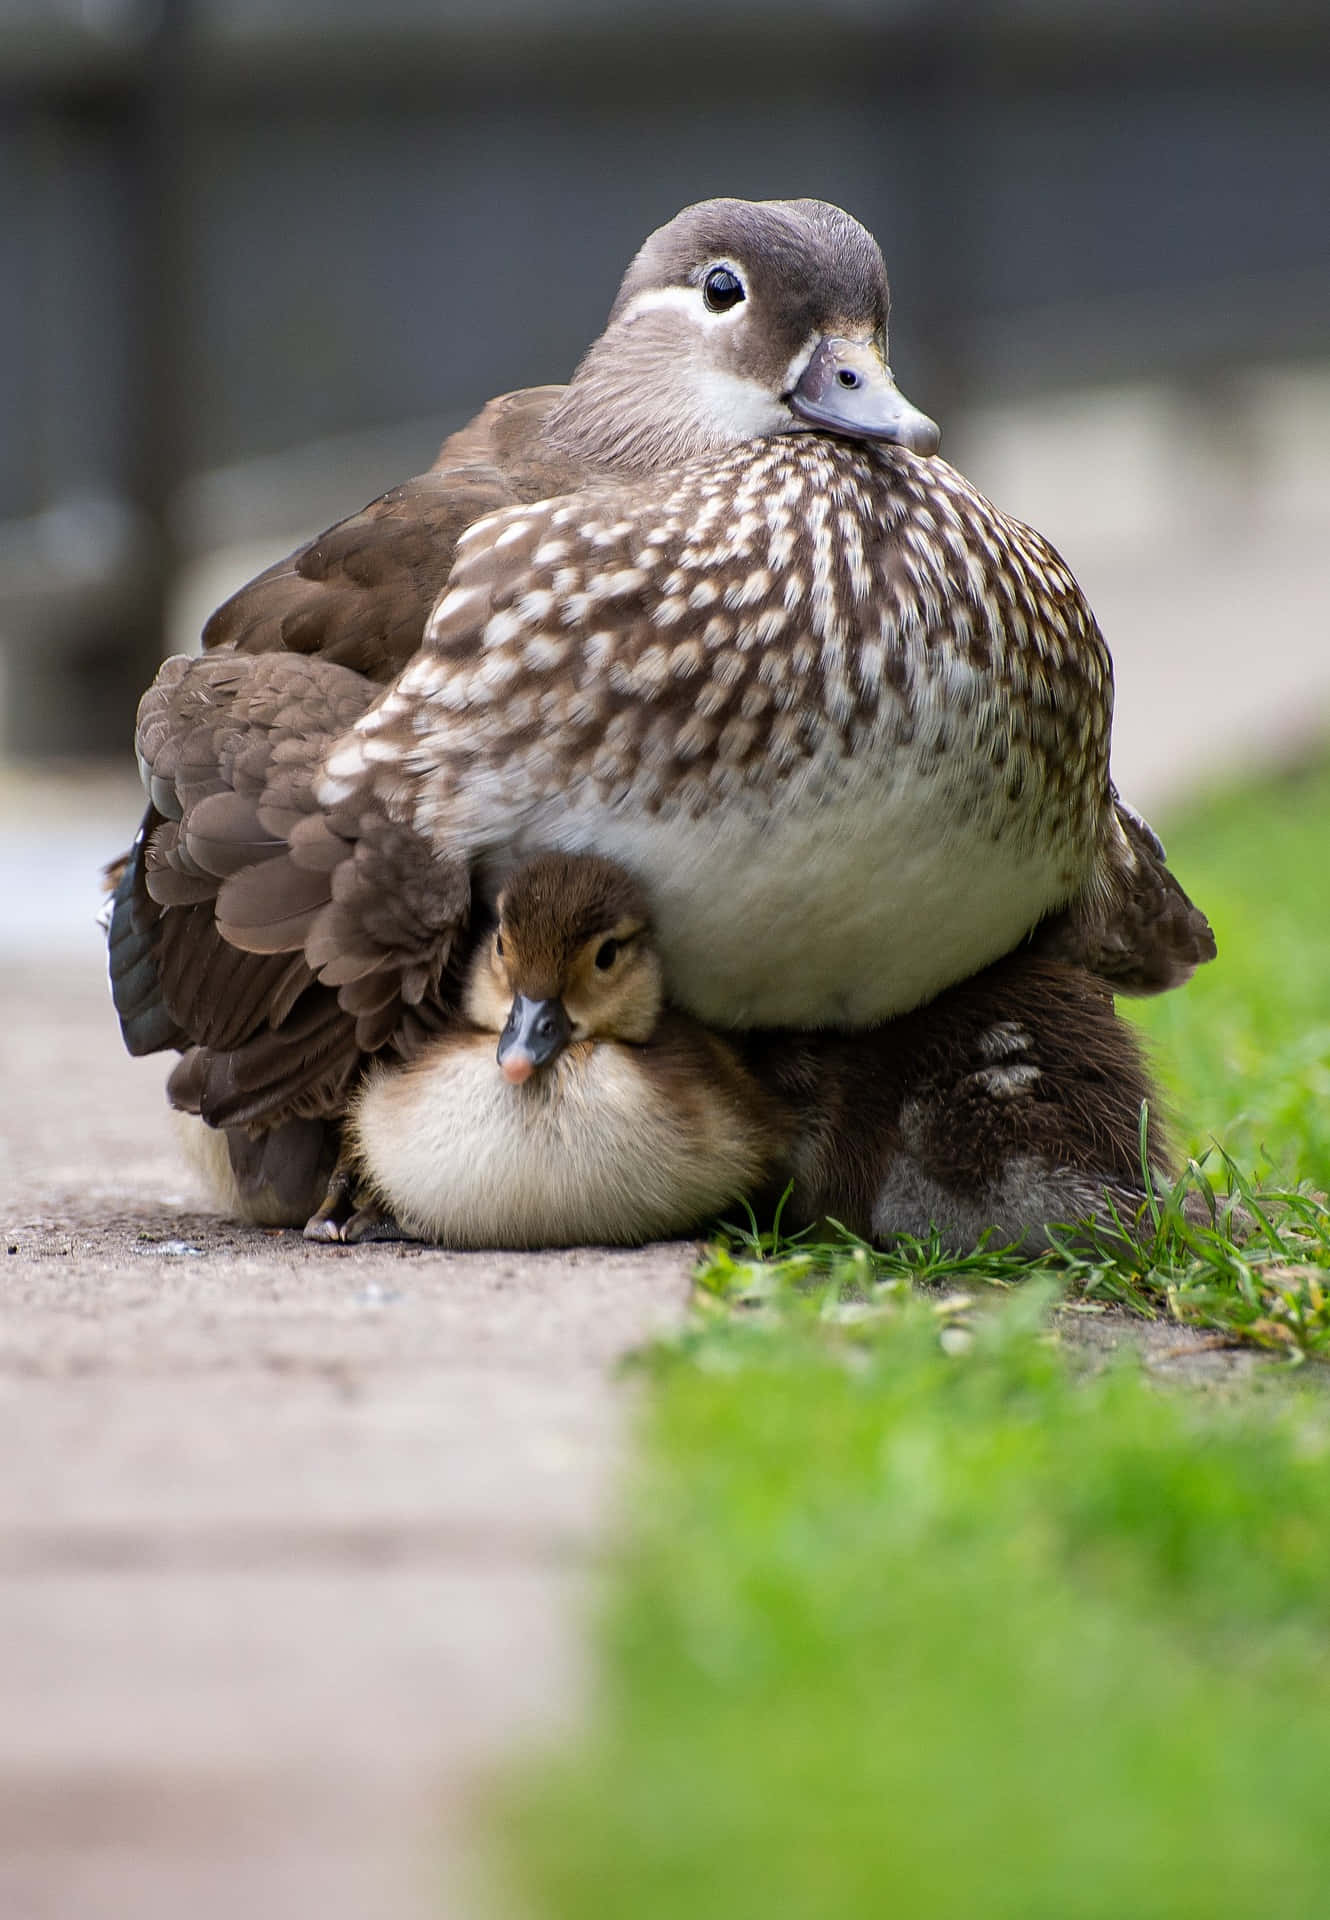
[690, 300]
[658, 299]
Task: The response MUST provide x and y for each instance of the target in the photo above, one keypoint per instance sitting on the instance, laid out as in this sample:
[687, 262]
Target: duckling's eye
[722, 290]
[606, 954]
[498, 945]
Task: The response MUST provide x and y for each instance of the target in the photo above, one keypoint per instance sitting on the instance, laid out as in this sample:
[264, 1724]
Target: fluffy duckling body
[603, 1119]
[1009, 1105]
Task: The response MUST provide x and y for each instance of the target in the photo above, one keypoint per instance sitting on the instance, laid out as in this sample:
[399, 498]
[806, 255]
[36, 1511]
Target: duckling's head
[571, 959]
[740, 318]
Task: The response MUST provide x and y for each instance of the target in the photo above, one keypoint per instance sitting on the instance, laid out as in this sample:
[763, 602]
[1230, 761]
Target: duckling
[1009, 1106]
[766, 650]
[601, 1117]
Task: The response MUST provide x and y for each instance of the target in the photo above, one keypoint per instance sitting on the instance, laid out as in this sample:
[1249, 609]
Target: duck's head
[740, 318]
[571, 959]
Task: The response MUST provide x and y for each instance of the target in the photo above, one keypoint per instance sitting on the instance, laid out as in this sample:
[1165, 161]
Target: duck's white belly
[587, 1152]
[854, 906]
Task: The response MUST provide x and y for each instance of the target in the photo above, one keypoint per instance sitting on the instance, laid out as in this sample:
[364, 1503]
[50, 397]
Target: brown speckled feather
[660, 671]
[233, 750]
[799, 639]
[756, 610]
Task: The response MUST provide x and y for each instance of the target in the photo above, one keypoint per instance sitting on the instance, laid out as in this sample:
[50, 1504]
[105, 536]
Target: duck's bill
[537, 1032]
[846, 388]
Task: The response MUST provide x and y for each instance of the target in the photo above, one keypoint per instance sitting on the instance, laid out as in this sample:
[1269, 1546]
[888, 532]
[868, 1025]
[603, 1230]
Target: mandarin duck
[845, 721]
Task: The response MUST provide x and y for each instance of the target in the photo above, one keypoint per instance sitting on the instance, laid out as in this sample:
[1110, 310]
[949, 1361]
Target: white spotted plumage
[800, 630]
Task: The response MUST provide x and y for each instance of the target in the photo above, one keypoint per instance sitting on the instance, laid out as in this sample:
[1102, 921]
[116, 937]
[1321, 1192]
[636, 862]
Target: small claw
[335, 1211]
[369, 1224]
[322, 1226]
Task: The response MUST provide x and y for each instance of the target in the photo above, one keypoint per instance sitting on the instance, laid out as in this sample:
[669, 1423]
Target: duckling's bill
[536, 1033]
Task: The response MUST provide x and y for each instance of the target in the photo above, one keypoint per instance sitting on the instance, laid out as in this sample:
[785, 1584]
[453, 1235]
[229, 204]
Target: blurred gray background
[258, 256]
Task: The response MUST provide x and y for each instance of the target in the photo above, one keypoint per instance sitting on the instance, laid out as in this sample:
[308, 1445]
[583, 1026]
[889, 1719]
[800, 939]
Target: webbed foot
[346, 1218]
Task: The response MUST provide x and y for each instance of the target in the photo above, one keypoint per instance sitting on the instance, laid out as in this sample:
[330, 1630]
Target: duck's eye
[722, 290]
[606, 954]
[498, 945]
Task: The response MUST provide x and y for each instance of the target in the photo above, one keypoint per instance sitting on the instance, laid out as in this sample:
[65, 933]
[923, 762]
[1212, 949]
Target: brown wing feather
[217, 996]
[302, 1069]
[282, 1173]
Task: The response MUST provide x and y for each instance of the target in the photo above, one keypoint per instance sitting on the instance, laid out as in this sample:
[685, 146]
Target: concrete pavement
[292, 1539]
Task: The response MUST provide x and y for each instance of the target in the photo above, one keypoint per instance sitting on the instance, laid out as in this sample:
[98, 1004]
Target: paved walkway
[291, 1539]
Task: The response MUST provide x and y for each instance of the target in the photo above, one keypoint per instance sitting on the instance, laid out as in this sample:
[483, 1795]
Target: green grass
[902, 1632]
[1244, 1050]
[1267, 1286]
[912, 1613]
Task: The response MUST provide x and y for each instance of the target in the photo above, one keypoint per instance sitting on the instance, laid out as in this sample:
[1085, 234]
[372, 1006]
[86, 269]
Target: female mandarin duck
[731, 624]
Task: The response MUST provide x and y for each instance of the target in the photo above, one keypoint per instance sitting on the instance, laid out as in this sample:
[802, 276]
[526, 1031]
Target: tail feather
[136, 986]
[1139, 933]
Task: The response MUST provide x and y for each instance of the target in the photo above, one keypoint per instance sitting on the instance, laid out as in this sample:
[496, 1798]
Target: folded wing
[276, 944]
